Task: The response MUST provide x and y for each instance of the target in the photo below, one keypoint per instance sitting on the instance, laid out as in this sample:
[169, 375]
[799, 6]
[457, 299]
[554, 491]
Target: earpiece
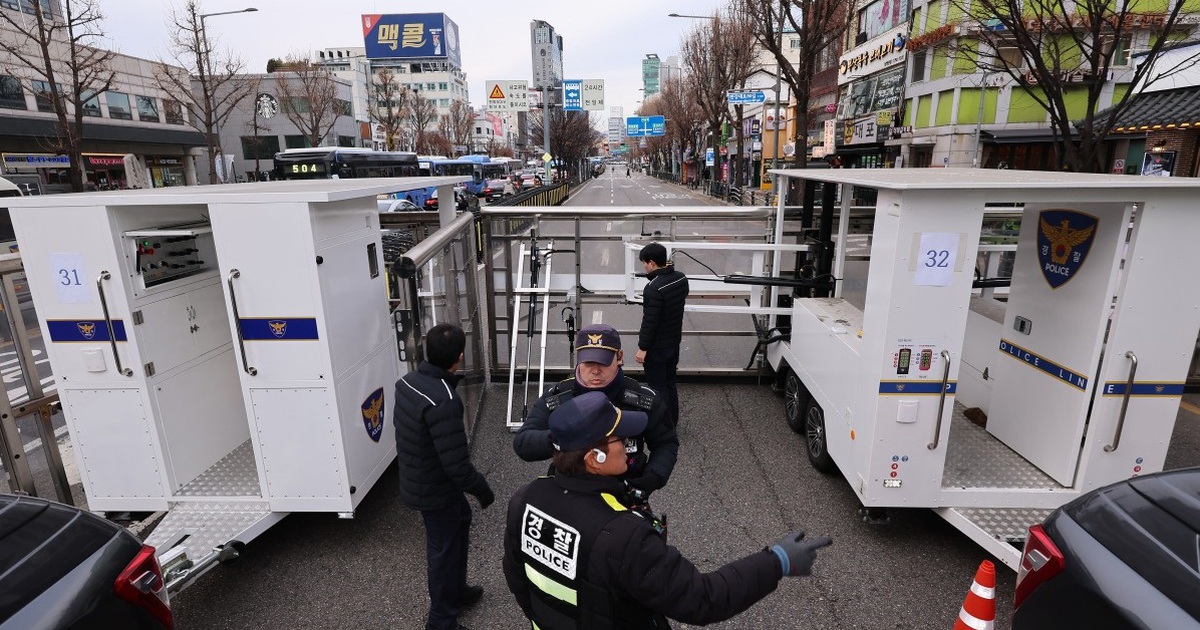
[600, 455]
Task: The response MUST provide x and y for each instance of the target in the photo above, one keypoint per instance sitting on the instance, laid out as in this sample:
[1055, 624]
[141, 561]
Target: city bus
[342, 162]
[436, 166]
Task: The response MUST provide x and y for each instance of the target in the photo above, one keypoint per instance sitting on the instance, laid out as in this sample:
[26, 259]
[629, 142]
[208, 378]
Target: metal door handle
[1124, 402]
[112, 334]
[237, 322]
[937, 427]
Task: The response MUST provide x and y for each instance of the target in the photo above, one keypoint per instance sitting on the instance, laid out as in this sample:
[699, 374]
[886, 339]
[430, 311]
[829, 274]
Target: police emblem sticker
[549, 541]
[278, 328]
[87, 330]
[1064, 238]
[372, 414]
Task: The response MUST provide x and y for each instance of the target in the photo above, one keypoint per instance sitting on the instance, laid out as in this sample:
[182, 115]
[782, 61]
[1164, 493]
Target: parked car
[1122, 556]
[528, 181]
[64, 568]
[460, 199]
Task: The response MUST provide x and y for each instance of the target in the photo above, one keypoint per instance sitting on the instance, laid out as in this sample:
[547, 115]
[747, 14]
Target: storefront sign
[863, 130]
[830, 134]
[879, 53]
[35, 160]
[104, 161]
[936, 36]
[163, 161]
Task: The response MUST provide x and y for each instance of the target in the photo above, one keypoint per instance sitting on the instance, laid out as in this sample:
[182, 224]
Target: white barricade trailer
[223, 353]
[1077, 375]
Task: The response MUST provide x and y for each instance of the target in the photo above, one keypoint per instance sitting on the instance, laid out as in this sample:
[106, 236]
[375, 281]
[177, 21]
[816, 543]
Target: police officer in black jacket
[435, 470]
[662, 324]
[598, 368]
[577, 557]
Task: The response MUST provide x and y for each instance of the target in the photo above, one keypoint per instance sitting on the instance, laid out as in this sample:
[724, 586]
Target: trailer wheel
[795, 402]
[815, 437]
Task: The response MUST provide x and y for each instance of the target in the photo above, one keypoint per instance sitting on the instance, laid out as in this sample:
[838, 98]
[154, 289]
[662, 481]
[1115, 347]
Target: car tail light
[142, 584]
[1040, 561]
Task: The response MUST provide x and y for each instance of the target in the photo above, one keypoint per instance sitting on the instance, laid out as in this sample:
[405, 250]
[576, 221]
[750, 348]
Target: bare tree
[256, 125]
[389, 100]
[434, 143]
[811, 26]
[685, 122]
[209, 95]
[422, 113]
[717, 59]
[308, 96]
[1054, 54]
[74, 72]
[572, 136]
[458, 124]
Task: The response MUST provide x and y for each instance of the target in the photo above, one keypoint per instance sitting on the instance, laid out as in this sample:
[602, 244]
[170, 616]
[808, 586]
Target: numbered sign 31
[936, 259]
[70, 278]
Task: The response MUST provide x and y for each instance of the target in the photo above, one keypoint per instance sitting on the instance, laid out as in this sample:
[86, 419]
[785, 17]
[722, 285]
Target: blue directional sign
[573, 95]
[635, 126]
[656, 126]
[743, 97]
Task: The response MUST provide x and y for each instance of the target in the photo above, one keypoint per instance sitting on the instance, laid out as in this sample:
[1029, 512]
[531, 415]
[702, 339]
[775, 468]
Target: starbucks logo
[266, 106]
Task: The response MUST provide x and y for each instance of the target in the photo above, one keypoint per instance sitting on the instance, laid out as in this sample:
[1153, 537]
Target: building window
[430, 86]
[345, 141]
[91, 104]
[11, 95]
[259, 147]
[296, 142]
[173, 111]
[342, 107]
[443, 86]
[445, 102]
[147, 109]
[41, 94]
[918, 72]
[118, 106]
[795, 43]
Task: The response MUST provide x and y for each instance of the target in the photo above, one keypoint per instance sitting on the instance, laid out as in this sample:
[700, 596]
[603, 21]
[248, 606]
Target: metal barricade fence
[29, 449]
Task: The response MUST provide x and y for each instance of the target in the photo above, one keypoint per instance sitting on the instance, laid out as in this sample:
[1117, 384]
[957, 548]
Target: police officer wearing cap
[578, 558]
[598, 369]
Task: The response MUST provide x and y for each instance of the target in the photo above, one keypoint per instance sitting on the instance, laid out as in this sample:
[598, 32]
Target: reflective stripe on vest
[550, 587]
[613, 502]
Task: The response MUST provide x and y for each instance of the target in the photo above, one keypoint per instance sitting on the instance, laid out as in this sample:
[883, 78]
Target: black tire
[795, 402]
[816, 440]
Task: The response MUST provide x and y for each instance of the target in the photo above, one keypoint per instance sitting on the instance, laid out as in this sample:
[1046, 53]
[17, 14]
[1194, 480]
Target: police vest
[558, 530]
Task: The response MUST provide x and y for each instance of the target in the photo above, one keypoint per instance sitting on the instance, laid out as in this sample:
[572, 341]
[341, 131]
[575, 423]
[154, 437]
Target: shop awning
[46, 128]
[1154, 111]
[1018, 136]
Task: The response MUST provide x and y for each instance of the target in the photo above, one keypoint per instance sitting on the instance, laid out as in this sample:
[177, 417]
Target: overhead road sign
[639, 126]
[742, 97]
[572, 95]
[507, 96]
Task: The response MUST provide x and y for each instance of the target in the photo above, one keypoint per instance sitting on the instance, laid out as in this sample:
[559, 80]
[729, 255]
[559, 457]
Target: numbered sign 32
[70, 278]
[936, 259]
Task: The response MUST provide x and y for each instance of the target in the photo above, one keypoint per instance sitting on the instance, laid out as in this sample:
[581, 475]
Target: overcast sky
[605, 39]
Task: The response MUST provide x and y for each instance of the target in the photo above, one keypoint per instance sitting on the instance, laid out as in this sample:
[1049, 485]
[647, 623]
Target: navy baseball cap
[587, 418]
[597, 343]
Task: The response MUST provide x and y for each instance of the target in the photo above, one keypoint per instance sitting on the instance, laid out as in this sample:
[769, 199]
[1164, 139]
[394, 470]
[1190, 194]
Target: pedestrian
[578, 556]
[436, 470]
[598, 361]
[662, 324]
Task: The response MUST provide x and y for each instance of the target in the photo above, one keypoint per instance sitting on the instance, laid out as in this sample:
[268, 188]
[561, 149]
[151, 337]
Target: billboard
[411, 35]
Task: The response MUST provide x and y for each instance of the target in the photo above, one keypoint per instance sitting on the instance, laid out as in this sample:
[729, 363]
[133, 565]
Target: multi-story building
[651, 74]
[424, 50]
[134, 134]
[352, 66]
[258, 127]
[547, 53]
[616, 127]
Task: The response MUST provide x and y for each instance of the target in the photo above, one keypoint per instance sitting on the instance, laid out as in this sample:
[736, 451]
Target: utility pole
[979, 121]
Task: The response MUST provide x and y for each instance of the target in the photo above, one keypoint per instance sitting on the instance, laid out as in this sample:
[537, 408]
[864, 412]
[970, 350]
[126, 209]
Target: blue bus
[341, 162]
[435, 166]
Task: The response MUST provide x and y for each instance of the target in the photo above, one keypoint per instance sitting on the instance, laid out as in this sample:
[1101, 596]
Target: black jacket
[431, 443]
[534, 444]
[641, 574]
[662, 310]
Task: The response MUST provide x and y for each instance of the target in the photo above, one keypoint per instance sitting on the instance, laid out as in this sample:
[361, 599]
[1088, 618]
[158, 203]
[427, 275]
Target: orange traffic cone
[978, 611]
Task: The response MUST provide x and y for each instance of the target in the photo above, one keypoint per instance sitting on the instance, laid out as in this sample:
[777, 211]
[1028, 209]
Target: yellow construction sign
[496, 92]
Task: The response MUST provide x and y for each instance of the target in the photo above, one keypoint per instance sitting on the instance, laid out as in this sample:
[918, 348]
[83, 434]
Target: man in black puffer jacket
[435, 470]
[662, 324]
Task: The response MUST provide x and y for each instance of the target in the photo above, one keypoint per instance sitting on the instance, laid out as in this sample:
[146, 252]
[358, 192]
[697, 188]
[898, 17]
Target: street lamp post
[206, 71]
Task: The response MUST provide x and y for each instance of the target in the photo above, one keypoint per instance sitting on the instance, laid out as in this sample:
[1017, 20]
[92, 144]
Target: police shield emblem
[1064, 238]
[372, 414]
[278, 328]
[86, 329]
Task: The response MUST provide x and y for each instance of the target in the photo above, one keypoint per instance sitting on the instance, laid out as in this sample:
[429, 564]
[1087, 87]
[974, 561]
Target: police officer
[598, 368]
[577, 557]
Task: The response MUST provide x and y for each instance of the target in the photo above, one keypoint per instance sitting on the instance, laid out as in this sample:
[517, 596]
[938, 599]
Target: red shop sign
[105, 161]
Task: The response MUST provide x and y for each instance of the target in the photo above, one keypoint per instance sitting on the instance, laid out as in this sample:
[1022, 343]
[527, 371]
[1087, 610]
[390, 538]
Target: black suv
[1123, 556]
[64, 568]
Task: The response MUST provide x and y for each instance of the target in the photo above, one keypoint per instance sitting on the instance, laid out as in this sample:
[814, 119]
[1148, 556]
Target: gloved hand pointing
[797, 555]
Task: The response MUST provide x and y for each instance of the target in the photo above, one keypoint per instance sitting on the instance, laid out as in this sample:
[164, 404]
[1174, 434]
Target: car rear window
[1153, 525]
[40, 542]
